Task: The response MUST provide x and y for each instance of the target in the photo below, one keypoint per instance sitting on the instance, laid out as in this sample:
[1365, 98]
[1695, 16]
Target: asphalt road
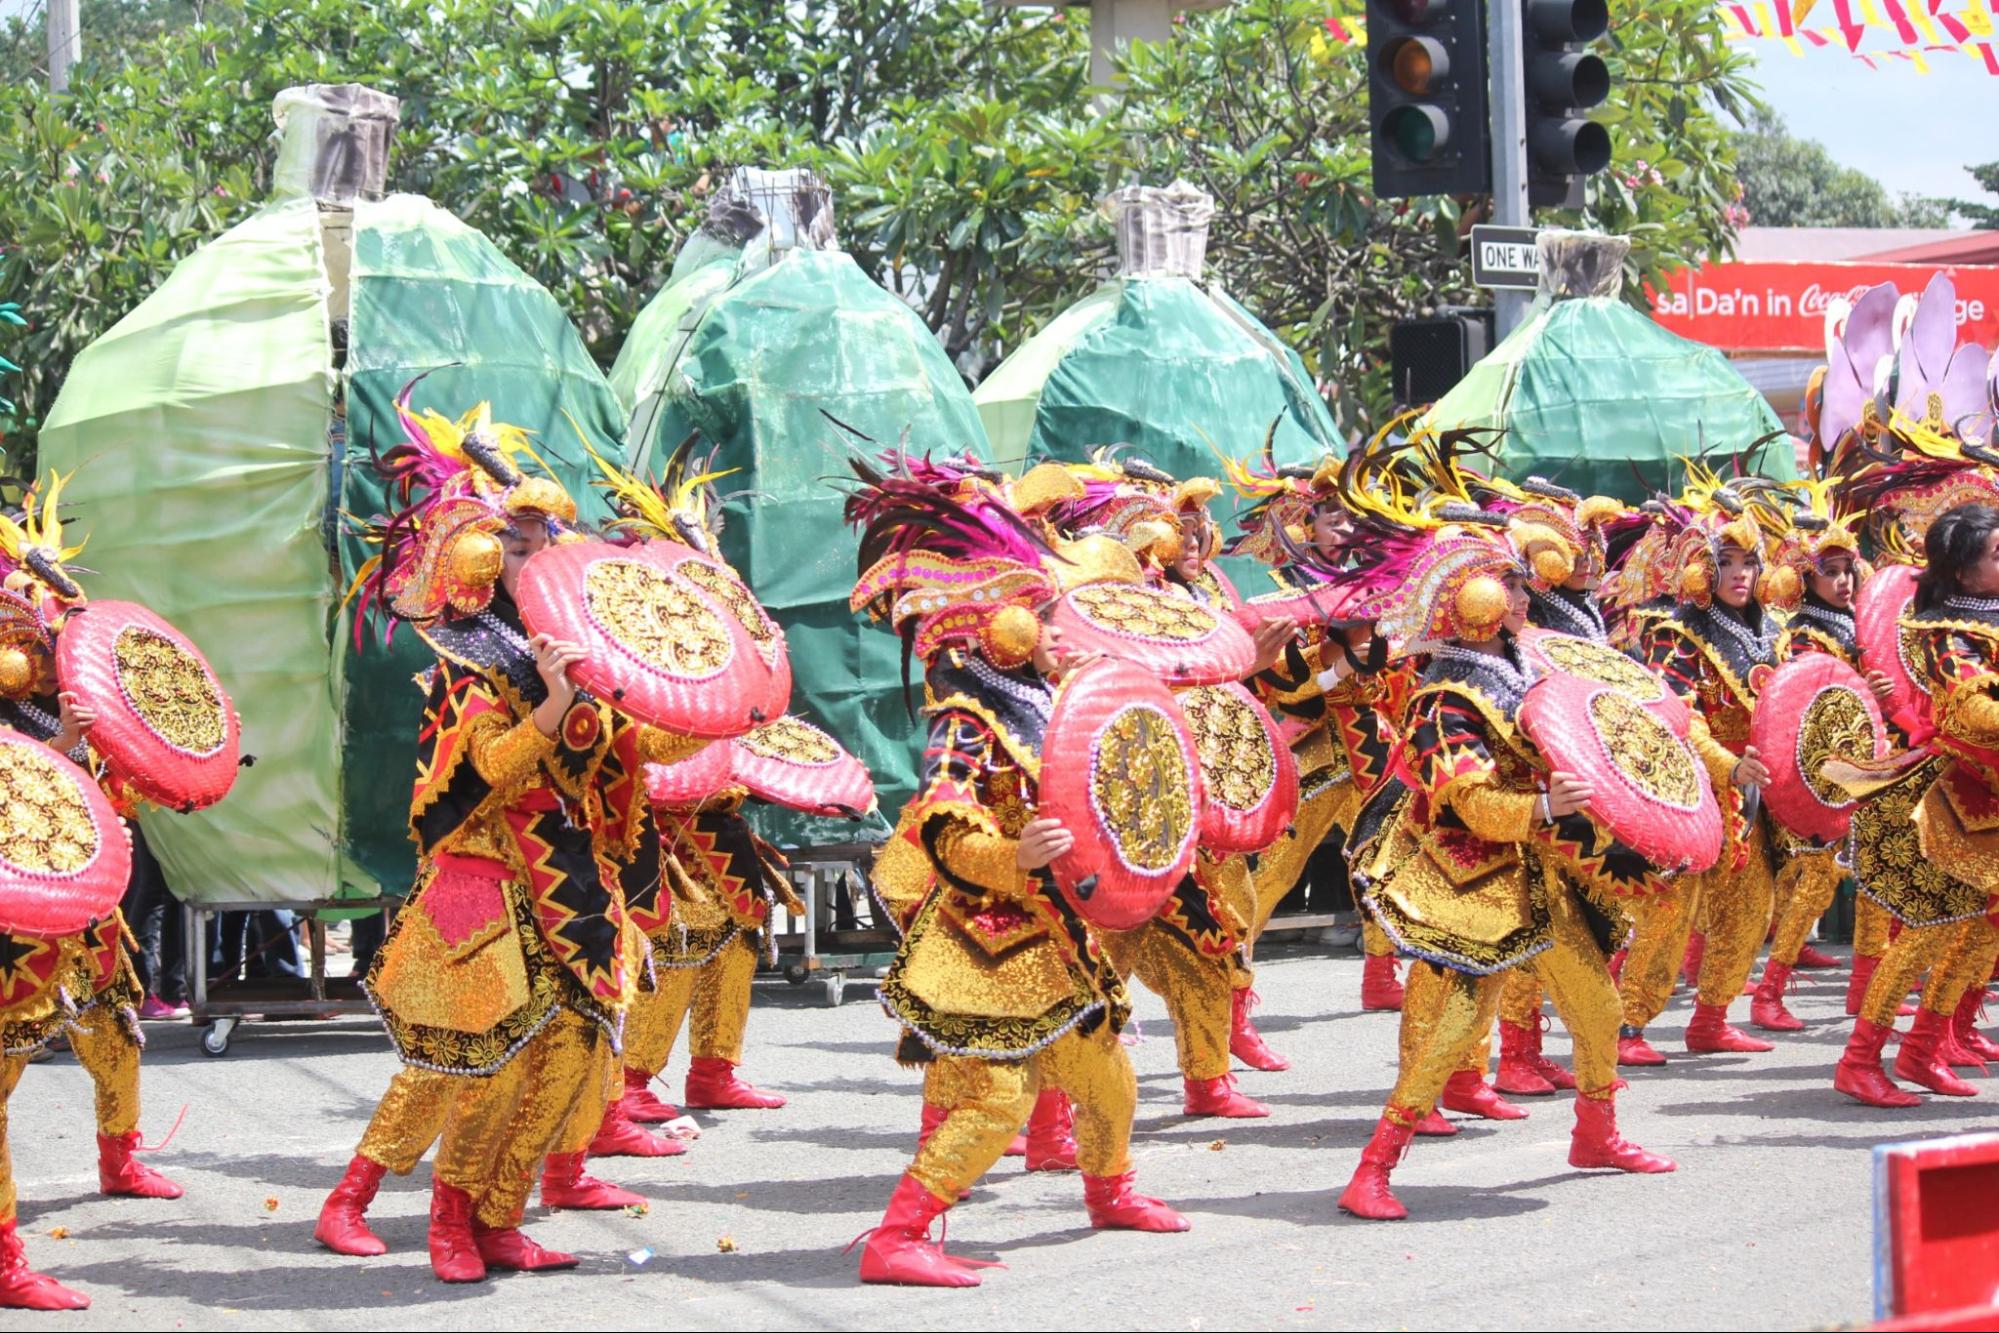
[1765, 1225]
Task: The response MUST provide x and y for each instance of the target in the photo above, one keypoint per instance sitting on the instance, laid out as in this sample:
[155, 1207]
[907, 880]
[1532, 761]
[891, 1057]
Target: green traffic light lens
[1416, 132]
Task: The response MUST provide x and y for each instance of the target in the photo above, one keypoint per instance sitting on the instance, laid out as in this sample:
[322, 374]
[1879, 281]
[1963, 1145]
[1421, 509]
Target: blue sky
[1910, 131]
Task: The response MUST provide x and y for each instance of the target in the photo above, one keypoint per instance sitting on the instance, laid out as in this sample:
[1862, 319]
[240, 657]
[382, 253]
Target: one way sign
[1505, 257]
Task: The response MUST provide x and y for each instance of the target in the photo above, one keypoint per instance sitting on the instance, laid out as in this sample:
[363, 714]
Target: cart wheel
[836, 986]
[215, 1040]
[797, 973]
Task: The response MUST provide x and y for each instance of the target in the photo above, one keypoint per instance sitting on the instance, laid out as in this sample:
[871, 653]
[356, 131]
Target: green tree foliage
[1793, 182]
[1983, 216]
[966, 152]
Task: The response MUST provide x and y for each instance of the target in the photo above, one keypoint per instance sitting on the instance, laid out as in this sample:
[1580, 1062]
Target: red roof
[1980, 247]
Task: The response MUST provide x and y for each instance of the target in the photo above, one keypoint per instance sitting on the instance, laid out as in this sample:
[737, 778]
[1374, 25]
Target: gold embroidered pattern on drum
[1236, 758]
[727, 589]
[1645, 750]
[1835, 726]
[1591, 661]
[791, 740]
[655, 618]
[1143, 613]
[1140, 789]
[170, 691]
[45, 826]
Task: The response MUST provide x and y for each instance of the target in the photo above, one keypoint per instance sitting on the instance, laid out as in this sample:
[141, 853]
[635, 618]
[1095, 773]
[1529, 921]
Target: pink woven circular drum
[1551, 652]
[1247, 770]
[1877, 614]
[656, 646]
[165, 726]
[1175, 638]
[1651, 792]
[692, 780]
[1119, 769]
[725, 588]
[794, 764]
[64, 856]
[1814, 708]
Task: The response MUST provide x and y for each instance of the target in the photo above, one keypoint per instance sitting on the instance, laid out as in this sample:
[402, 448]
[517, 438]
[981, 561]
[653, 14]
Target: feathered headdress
[32, 545]
[680, 505]
[948, 564]
[457, 490]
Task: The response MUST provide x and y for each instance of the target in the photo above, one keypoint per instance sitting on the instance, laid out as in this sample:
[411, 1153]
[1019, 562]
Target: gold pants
[1870, 927]
[987, 1101]
[408, 1119]
[717, 997]
[1199, 991]
[1966, 962]
[1445, 1016]
[1736, 910]
[1806, 887]
[1658, 942]
[1911, 953]
[499, 1127]
[10, 1075]
[1575, 975]
[110, 1056]
[1280, 866]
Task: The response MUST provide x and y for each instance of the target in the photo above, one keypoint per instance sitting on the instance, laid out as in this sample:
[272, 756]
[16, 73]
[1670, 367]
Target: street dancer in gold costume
[998, 986]
[505, 980]
[1714, 650]
[82, 986]
[1484, 807]
[1333, 689]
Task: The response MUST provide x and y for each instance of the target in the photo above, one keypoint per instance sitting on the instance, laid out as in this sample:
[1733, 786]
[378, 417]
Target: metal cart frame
[314, 996]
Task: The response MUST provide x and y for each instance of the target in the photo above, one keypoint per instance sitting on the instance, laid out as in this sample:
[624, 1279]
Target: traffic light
[1426, 104]
[1563, 81]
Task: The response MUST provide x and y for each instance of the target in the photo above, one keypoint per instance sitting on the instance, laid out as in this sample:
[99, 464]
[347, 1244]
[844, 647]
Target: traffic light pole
[1506, 23]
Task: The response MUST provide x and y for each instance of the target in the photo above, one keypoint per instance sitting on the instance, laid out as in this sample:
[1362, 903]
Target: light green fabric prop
[1593, 394]
[756, 364]
[199, 430]
[1174, 368]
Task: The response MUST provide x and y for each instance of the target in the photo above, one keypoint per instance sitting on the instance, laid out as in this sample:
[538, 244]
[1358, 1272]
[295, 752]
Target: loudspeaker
[1429, 356]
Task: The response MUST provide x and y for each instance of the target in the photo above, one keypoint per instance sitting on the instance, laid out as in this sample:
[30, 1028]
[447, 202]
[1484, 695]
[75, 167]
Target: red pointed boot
[1813, 959]
[1633, 1050]
[617, 1136]
[1856, 983]
[454, 1255]
[1378, 987]
[22, 1288]
[509, 1249]
[563, 1185]
[1245, 1042]
[1468, 1094]
[119, 1172]
[1051, 1136]
[1767, 1010]
[1920, 1060]
[343, 1218]
[1563, 1080]
[1113, 1206]
[1517, 1076]
[1434, 1126]
[642, 1106]
[1709, 1033]
[899, 1249]
[1595, 1142]
[1964, 1025]
[1367, 1194]
[1218, 1097]
[1955, 1053]
[712, 1085]
[1859, 1074]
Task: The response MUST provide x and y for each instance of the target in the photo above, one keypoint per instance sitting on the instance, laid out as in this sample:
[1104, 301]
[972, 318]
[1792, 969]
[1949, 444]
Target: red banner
[1776, 307]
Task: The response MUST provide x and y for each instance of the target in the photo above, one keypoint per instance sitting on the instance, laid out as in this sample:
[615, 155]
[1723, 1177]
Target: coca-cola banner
[1777, 307]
